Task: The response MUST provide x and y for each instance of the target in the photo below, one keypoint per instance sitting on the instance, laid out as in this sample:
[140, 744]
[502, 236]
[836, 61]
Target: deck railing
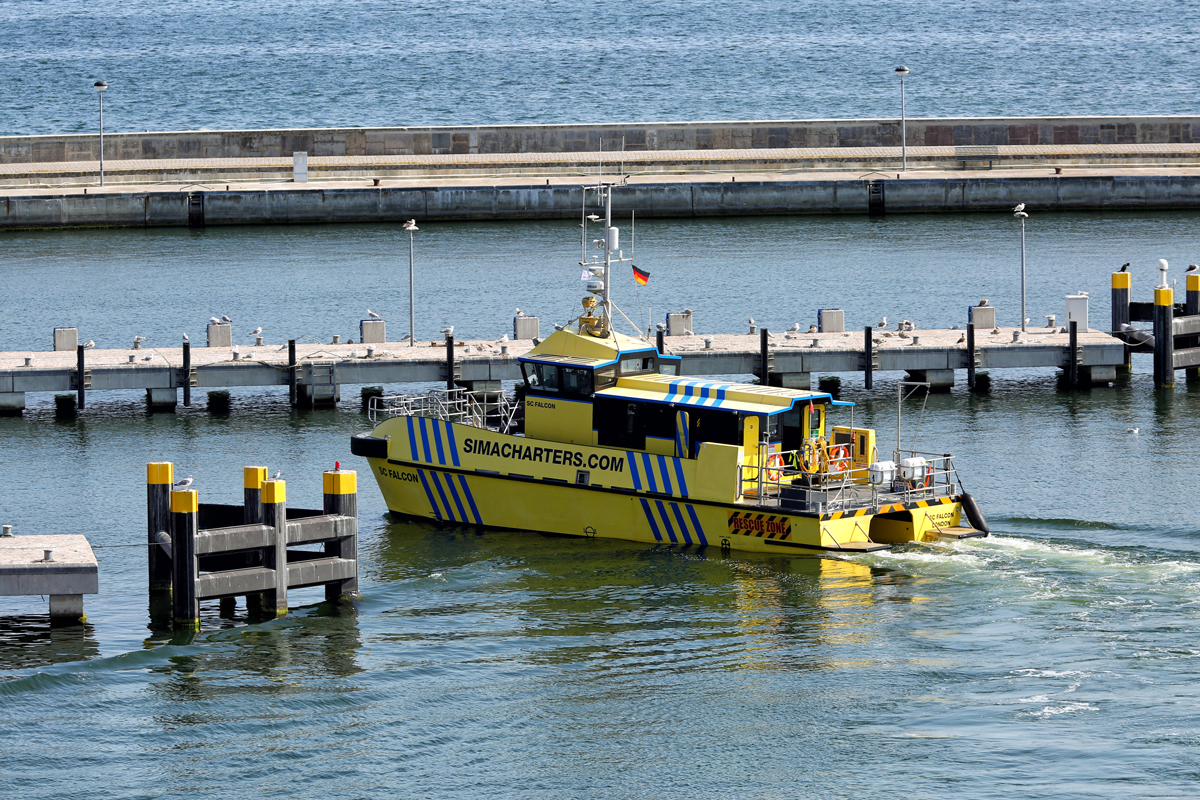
[449, 405]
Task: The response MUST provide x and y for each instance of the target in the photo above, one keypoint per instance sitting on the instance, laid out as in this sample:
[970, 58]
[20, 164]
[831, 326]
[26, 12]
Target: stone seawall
[630, 137]
[682, 198]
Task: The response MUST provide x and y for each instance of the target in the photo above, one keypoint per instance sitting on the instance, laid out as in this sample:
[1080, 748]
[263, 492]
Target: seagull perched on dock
[403, 338]
[1124, 267]
[225, 318]
[1018, 208]
[811, 328]
[450, 331]
[354, 354]
[982, 303]
[503, 338]
[185, 483]
[148, 358]
[752, 320]
[185, 338]
[214, 320]
[795, 328]
[140, 339]
[89, 344]
[520, 313]
[275, 477]
[256, 331]
[1191, 268]
[373, 315]
[882, 323]
[996, 331]
[961, 339]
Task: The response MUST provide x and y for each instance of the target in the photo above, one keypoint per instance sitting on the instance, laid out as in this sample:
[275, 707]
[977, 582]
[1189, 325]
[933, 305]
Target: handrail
[448, 405]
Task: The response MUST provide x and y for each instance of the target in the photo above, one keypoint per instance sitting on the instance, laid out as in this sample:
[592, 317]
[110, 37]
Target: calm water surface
[221, 64]
[1057, 658]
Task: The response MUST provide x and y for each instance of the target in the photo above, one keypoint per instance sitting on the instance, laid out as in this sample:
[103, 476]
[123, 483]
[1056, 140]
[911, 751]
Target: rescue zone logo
[759, 524]
[543, 455]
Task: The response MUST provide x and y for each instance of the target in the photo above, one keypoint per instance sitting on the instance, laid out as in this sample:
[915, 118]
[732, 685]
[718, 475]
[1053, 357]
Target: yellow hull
[462, 475]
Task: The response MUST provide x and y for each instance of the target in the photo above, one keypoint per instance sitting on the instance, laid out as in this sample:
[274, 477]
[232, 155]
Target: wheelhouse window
[638, 364]
[553, 378]
[576, 380]
[606, 377]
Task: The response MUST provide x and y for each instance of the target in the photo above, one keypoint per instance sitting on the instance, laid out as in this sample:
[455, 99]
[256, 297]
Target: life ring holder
[839, 458]
[775, 465]
[810, 455]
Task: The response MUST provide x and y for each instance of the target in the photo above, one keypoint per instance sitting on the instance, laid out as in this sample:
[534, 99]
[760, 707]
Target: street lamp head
[411, 226]
[901, 71]
[1020, 215]
[99, 86]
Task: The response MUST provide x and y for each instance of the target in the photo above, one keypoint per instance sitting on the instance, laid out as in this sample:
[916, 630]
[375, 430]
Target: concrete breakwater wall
[630, 137]
[683, 198]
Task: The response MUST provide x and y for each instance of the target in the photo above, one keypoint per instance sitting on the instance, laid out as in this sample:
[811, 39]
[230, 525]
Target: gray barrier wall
[579, 138]
[673, 199]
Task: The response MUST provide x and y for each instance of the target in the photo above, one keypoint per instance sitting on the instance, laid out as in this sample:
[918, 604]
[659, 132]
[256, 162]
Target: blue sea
[1056, 659]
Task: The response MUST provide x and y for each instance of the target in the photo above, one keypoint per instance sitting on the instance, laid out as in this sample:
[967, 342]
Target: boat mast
[609, 236]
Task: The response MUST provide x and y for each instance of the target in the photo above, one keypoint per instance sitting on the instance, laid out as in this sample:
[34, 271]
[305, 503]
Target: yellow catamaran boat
[609, 440]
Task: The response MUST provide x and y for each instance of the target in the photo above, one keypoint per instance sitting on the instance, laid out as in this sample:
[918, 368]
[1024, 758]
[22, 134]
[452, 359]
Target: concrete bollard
[185, 515]
[159, 477]
[337, 338]
[274, 505]
[341, 497]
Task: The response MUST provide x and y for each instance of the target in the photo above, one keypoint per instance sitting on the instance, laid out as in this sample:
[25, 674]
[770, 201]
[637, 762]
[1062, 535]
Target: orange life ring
[839, 458]
[774, 466]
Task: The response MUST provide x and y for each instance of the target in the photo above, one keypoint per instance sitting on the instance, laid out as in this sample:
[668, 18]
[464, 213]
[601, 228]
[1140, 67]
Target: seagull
[1125, 267]
[214, 320]
[449, 331]
[1018, 208]
[1191, 268]
[373, 315]
[903, 335]
[557, 327]
[882, 323]
[811, 328]
[520, 313]
[248, 355]
[662, 326]
[354, 354]
[411, 225]
[140, 339]
[908, 326]
[225, 318]
[752, 320]
[90, 343]
[148, 358]
[275, 477]
[403, 338]
[256, 331]
[888, 334]
[687, 311]
[961, 339]
[1134, 431]
[185, 483]
[185, 338]
[503, 337]
[996, 331]
[877, 340]
[982, 303]
[1027, 320]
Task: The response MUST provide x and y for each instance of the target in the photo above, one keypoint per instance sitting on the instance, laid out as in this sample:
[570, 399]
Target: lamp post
[411, 227]
[1019, 213]
[100, 86]
[902, 72]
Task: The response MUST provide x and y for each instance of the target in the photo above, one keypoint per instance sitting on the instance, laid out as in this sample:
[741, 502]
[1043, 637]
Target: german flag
[640, 275]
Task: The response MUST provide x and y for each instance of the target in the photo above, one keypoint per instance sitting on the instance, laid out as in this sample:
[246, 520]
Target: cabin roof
[743, 397]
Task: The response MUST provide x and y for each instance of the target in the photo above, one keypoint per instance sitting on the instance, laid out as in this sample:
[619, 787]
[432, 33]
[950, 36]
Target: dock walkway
[930, 354]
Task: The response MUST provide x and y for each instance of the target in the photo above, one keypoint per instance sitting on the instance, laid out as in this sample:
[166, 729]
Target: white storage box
[881, 472]
[913, 469]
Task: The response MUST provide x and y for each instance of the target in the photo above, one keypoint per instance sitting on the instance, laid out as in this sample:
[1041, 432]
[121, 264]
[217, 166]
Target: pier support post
[1073, 353]
[274, 504]
[449, 360]
[12, 403]
[1121, 285]
[292, 372]
[939, 380]
[162, 399]
[868, 358]
[1164, 338]
[341, 497]
[185, 514]
[187, 374]
[159, 477]
[80, 373]
[764, 355]
[971, 356]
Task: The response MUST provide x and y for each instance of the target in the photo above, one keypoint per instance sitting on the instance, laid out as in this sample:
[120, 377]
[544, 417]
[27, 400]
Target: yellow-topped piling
[274, 492]
[1164, 297]
[186, 501]
[1122, 280]
[253, 477]
[160, 472]
[341, 482]
[1193, 282]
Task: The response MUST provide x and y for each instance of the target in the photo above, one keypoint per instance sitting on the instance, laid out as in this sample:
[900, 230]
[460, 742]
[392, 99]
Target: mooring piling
[1122, 282]
[187, 374]
[252, 481]
[341, 498]
[159, 478]
[1164, 338]
[274, 516]
[292, 371]
[868, 358]
[80, 377]
[185, 516]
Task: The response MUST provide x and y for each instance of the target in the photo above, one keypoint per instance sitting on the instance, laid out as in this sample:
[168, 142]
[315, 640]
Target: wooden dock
[318, 371]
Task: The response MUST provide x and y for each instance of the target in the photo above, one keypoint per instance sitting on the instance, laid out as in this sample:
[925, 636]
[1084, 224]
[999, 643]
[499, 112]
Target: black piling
[218, 402]
[659, 343]
[341, 497]
[185, 514]
[292, 373]
[252, 508]
[64, 406]
[868, 358]
[274, 506]
[159, 477]
[1164, 338]
[1122, 282]
[764, 356]
[971, 356]
[187, 374]
[368, 392]
[449, 360]
[80, 372]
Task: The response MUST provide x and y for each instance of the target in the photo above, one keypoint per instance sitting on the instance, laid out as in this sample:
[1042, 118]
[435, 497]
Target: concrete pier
[321, 369]
[65, 577]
